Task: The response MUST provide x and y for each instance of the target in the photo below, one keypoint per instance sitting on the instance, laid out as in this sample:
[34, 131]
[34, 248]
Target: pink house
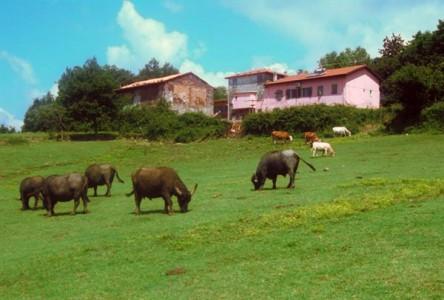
[246, 89]
[356, 86]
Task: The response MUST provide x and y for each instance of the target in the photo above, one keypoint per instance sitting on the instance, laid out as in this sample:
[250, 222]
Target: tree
[153, 70]
[220, 92]
[6, 129]
[87, 94]
[46, 114]
[348, 57]
[393, 46]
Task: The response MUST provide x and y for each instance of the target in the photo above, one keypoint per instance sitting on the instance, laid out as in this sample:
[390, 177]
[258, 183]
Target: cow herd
[160, 182]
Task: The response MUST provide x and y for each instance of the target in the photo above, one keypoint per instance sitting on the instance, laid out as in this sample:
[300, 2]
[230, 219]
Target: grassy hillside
[369, 227]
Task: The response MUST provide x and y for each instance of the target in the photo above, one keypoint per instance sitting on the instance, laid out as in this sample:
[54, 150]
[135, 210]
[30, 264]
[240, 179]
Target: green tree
[46, 114]
[348, 57]
[220, 92]
[88, 94]
[153, 69]
[6, 129]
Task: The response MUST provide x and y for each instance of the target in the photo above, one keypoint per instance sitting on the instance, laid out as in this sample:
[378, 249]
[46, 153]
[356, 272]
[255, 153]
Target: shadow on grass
[159, 211]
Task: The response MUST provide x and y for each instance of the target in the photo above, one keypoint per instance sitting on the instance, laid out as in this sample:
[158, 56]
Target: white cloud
[20, 66]
[10, 120]
[172, 6]
[146, 38]
[324, 26]
[213, 78]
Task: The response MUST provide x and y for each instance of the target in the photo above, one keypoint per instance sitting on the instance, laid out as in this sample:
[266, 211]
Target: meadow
[368, 224]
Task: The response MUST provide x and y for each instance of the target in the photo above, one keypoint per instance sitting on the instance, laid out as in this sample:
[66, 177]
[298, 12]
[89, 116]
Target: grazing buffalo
[101, 175]
[160, 182]
[280, 136]
[277, 163]
[31, 187]
[65, 188]
[310, 137]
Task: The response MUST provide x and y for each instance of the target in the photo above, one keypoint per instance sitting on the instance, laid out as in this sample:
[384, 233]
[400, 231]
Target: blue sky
[39, 39]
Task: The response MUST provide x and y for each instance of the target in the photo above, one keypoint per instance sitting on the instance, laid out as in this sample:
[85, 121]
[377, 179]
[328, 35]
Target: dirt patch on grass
[176, 271]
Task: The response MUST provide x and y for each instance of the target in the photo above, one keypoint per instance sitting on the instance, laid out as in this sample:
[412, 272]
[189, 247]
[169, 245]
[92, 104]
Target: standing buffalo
[160, 182]
[65, 188]
[101, 175]
[29, 187]
[277, 163]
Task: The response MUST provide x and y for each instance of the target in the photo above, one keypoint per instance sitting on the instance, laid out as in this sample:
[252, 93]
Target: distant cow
[310, 137]
[101, 175]
[280, 136]
[65, 188]
[277, 163]
[160, 182]
[343, 131]
[31, 187]
[326, 148]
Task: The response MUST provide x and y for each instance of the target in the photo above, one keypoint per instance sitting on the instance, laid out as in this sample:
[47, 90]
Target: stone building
[184, 92]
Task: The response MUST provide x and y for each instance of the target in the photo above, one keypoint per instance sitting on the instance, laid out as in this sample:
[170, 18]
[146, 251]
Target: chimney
[275, 76]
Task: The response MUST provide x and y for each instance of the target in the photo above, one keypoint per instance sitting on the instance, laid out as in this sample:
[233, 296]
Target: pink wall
[353, 89]
[244, 100]
[362, 90]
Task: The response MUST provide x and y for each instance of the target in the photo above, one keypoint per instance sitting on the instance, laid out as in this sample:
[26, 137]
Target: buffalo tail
[117, 176]
[130, 193]
[307, 163]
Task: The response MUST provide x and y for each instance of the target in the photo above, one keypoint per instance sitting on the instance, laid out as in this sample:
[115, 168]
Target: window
[320, 90]
[279, 94]
[334, 89]
[288, 94]
[307, 92]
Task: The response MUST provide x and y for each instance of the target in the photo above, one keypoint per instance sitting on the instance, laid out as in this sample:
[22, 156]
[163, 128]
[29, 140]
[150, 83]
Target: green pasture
[368, 224]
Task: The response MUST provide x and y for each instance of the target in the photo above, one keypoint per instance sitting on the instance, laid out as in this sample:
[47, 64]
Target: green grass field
[370, 227]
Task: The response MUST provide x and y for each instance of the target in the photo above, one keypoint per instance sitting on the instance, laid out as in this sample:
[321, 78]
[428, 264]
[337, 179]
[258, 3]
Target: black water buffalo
[31, 187]
[101, 175]
[160, 182]
[65, 188]
[277, 163]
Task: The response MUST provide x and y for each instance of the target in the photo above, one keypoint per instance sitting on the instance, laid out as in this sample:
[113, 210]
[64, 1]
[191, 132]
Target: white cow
[341, 131]
[322, 146]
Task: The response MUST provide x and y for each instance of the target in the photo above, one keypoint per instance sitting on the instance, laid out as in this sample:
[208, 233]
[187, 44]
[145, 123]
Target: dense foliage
[348, 57]
[160, 122]
[412, 74]
[153, 69]
[319, 118]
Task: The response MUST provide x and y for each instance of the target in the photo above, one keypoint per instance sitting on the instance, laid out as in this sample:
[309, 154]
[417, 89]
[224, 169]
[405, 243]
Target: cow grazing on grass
[280, 136]
[31, 187]
[311, 137]
[277, 163]
[326, 148]
[160, 182]
[101, 175]
[342, 131]
[65, 188]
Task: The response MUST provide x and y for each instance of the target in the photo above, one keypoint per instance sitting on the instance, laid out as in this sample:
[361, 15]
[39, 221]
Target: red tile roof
[252, 72]
[153, 81]
[327, 73]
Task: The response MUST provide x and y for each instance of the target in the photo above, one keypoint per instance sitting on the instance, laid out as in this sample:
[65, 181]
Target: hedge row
[319, 118]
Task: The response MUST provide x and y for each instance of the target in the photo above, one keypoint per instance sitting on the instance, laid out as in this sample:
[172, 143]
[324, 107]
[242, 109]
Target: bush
[433, 116]
[319, 118]
[161, 123]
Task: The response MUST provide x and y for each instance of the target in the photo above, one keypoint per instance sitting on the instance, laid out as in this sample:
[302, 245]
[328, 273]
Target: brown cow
[311, 137]
[280, 136]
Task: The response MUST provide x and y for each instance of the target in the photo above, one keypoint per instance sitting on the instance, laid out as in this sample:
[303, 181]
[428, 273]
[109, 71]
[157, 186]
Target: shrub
[319, 118]
[433, 116]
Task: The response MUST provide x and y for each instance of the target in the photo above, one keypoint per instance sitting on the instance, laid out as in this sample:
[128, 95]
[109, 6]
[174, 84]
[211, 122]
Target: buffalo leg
[137, 199]
[108, 187]
[76, 204]
[95, 191]
[50, 207]
[168, 204]
[25, 202]
[274, 182]
[85, 202]
[36, 202]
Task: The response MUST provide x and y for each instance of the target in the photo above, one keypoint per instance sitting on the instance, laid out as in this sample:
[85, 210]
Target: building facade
[246, 91]
[184, 92]
[356, 86]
